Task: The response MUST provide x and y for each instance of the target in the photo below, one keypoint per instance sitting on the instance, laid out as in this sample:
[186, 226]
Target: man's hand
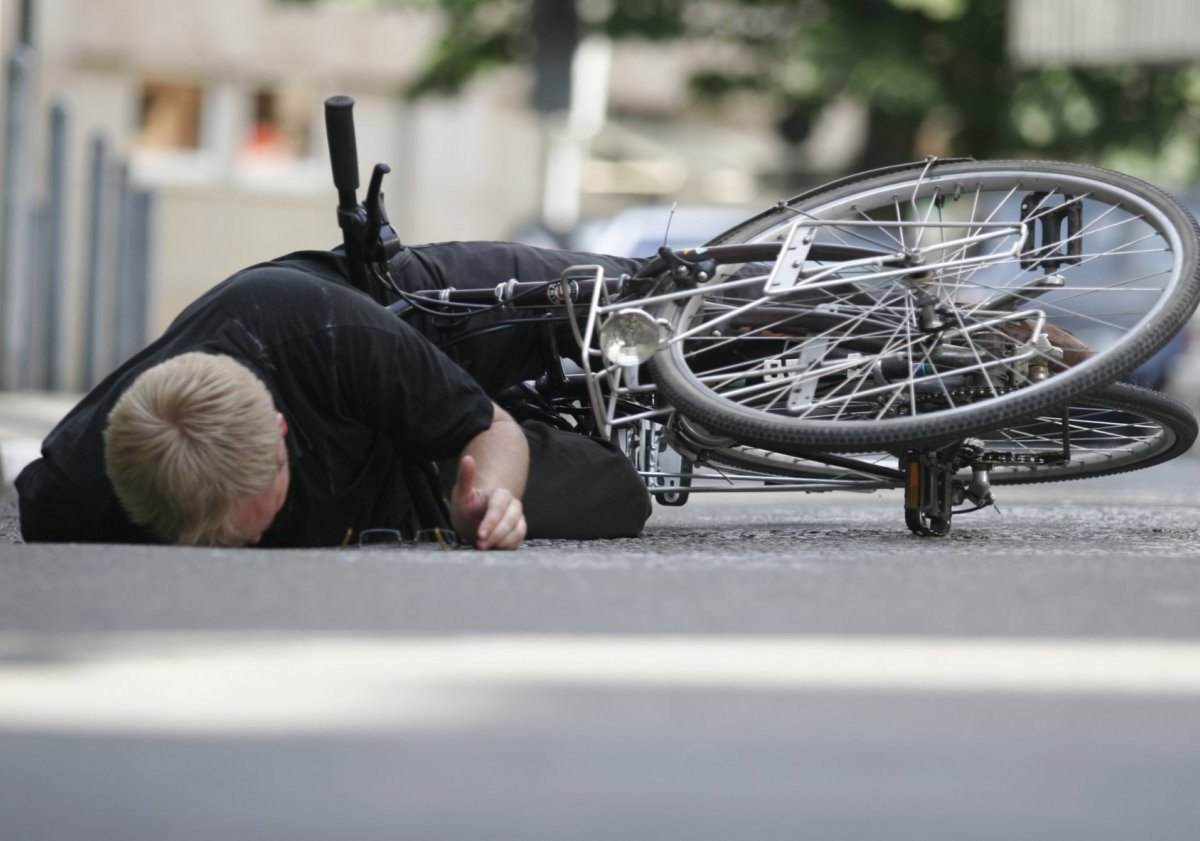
[485, 505]
[492, 516]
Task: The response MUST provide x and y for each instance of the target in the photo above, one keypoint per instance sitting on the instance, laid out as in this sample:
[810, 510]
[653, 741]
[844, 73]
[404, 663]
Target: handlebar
[368, 237]
[532, 295]
[343, 147]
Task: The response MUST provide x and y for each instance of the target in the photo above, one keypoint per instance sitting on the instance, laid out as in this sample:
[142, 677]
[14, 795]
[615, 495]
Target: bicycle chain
[935, 401]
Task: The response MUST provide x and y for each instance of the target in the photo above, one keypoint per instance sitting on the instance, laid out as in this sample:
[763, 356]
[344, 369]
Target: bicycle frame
[632, 412]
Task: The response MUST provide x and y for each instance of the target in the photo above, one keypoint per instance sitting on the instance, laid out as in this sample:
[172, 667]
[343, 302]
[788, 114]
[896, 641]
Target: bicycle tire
[858, 361]
[1118, 429]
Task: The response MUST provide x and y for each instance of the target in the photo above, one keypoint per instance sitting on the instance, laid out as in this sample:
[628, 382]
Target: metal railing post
[141, 249]
[16, 253]
[54, 249]
[95, 265]
[124, 305]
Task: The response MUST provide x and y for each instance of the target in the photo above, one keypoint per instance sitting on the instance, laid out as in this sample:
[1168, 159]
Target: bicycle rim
[1116, 430]
[983, 293]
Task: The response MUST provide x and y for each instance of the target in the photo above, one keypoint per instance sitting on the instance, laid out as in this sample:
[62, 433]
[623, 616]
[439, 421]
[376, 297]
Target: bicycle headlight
[629, 337]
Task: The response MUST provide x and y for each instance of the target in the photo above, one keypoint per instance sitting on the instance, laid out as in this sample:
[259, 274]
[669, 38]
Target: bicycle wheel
[1118, 429]
[927, 303]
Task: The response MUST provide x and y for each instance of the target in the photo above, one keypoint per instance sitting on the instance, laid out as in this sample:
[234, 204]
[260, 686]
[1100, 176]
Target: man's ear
[282, 421]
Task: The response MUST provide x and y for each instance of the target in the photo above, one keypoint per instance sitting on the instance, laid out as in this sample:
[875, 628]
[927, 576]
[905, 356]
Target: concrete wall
[1102, 32]
[464, 168]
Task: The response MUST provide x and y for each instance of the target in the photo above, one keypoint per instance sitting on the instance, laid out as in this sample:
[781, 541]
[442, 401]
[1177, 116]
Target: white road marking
[274, 683]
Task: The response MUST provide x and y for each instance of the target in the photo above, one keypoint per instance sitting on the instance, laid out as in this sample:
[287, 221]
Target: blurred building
[217, 105]
[1099, 32]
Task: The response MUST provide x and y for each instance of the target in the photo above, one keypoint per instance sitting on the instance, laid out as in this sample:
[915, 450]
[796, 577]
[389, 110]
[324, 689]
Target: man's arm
[485, 505]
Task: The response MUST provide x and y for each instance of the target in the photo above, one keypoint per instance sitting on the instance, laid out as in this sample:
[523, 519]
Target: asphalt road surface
[753, 667]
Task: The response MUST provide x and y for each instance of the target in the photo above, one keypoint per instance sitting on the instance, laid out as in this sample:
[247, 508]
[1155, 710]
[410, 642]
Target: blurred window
[170, 115]
[280, 126]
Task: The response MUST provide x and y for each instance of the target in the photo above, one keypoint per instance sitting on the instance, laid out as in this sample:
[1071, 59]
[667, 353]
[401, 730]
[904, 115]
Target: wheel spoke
[957, 321]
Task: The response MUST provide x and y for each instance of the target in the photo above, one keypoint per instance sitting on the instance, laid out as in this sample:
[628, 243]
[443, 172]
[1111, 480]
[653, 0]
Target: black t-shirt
[361, 391]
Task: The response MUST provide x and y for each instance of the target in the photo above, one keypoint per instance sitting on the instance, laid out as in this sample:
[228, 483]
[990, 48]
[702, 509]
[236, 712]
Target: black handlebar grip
[343, 150]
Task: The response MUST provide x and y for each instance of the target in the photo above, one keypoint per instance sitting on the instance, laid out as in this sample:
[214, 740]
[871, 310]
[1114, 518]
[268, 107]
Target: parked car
[640, 231]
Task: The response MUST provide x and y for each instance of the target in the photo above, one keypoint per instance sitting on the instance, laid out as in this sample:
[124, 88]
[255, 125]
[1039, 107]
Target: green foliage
[933, 75]
[651, 19]
[479, 35]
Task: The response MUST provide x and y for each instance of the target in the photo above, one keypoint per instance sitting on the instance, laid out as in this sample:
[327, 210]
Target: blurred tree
[933, 76]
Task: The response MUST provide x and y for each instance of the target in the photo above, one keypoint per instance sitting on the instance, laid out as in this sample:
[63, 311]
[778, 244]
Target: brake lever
[380, 238]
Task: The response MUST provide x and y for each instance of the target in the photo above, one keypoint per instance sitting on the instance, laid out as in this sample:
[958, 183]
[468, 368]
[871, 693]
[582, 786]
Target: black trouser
[580, 487]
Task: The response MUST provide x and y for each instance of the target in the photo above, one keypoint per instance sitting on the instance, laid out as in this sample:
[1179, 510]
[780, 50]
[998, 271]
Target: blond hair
[188, 440]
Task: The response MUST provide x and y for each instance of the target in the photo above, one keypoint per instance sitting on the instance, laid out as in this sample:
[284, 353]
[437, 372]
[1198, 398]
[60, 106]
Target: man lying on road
[287, 408]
